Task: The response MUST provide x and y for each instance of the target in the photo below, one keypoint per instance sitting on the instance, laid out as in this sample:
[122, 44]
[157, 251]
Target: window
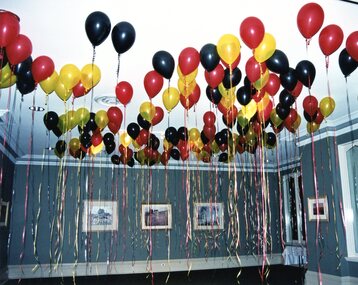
[348, 163]
[293, 209]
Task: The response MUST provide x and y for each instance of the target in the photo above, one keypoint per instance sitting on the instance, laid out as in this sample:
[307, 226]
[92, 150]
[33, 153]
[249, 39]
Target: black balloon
[85, 139]
[50, 120]
[289, 79]
[278, 62]
[130, 162]
[115, 159]
[305, 72]
[346, 63]
[223, 157]
[61, 146]
[286, 99]
[98, 27]
[310, 118]
[282, 111]
[213, 95]
[242, 130]
[23, 67]
[183, 133]
[243, 95]
[220, 138]
[25, 83]
[90, 125]
[249, 86]
[175, 154]
[133, 130]
[232, 123]
[209, 57]
[154, 142]
[110, 147]
[143, 122]
[3, 58]
[108, 138]
[123, 37]
[271, 139]
[204, 139]
[171, 135]
[56, 130]
[233, 79]
[163, 63]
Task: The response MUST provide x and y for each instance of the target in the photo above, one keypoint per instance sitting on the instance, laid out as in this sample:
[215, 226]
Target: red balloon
[214, 78]
[79, 90]
[252, 31]
[96, 138]
[209, 118]
[290, 119]
[113, 127]
[231, 115]
[310, 19]
[310, 105]
[319, 118]
[352, 45]
[164, 158]
[222, 108]
[42, 67]
[124, 92]
[297, 90]
[143, 136]
[186, 102]
[234, 64]
[115, 115]
[330, 39]
[195, 95]
[19, 49]
[153, 83]
[158, 116]
[209, 132]
[264, 115]
[273, 84]
[9, 28]
[254, 69]
[189, 60]
[259, 95]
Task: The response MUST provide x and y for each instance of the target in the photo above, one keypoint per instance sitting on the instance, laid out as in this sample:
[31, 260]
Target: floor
[276, 275]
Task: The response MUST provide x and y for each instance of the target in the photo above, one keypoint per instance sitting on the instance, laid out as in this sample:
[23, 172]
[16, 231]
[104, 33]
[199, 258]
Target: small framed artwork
[4, 213]
[99, 216]
[208, 216]
[156, 216]
[318, 209]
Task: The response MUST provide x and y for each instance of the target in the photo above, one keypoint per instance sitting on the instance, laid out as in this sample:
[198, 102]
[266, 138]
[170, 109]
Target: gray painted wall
[327, 248]
[130, 244]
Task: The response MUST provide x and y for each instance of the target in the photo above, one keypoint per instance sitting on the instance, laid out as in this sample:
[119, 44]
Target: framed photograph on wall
[99, 216]
[4, 213]
[156, 216]
[318, 209]
[208, 216]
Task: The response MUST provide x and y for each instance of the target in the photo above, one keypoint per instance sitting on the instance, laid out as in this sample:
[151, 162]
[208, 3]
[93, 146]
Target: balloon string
[328, 85]
[118, 67]
[93, 59]
[349, 113]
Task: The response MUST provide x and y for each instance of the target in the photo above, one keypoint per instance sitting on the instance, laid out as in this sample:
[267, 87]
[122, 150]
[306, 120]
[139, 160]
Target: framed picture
[208, 216]
[156, 216]
[99, 216]
[318, 208]
[4, 213]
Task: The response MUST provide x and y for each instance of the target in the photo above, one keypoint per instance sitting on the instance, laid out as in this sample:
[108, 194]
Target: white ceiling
[56, 29]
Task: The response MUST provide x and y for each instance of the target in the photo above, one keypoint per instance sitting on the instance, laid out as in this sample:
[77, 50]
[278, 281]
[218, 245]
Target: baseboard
[128, 267]
[312, 278]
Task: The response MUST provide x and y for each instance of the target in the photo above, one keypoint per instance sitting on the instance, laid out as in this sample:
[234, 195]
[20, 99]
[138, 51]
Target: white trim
[346, 195]
[129, 267]
[312, 278]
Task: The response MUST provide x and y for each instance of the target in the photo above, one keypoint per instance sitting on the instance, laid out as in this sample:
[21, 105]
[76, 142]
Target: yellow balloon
[275, 119]
[312, 127]
[228, 48]
[49, 84]
[187, 78]
[249, 110]
[8, 82]
[186, 88]
[74, 144]
[194, 134]
[5, 73]
[71, 119]
[125, 139]
[226, 92]
[70, 75]
[241, 119]
[262, 81]
[96, 149]
[167, 145]
[82, 116]
[199, 144]
[101, 119]
[297, 123]
[62, 92]
[62, 123]
[90, 75]
[228, 102]
[327, 106]
[214, 147]
[136, 145]
[262, 104]
[265, 49]
[170, 98]
[147, 110]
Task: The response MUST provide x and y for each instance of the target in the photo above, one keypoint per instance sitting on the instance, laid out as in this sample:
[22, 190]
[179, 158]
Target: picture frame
[320, 212]
[156, 216]
[99, 216]
[4, 213]
[208, 216]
